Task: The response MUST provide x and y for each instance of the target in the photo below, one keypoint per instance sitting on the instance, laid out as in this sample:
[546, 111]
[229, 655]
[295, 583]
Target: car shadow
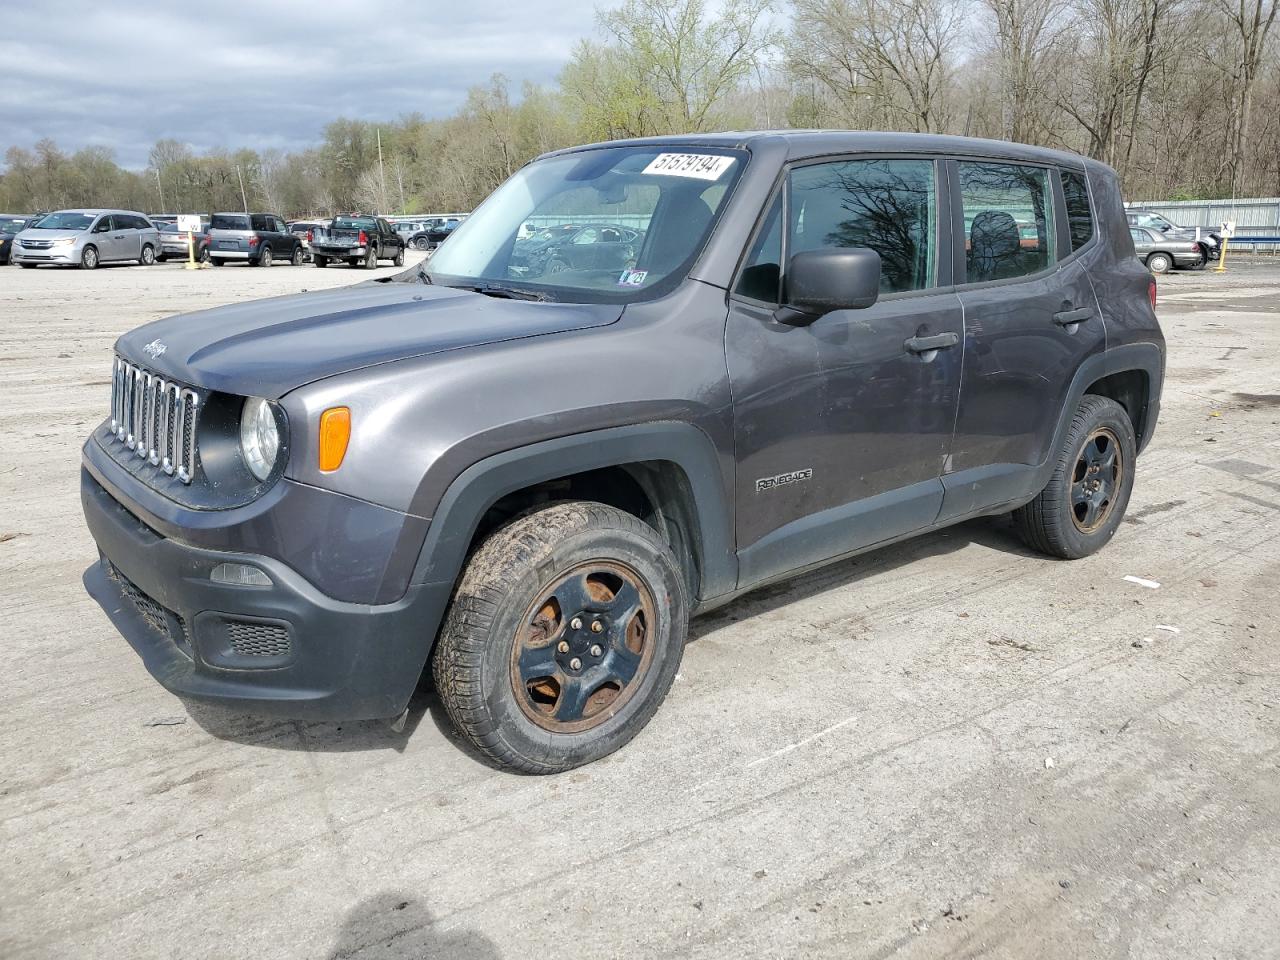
[367, 735]
[393, 923]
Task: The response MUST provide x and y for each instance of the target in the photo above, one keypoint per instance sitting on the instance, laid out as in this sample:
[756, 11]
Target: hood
[30, 234]
[266, 348]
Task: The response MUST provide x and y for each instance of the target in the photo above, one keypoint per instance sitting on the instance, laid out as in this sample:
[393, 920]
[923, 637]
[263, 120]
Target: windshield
[11, 226]
[608, 225]
[64, 220]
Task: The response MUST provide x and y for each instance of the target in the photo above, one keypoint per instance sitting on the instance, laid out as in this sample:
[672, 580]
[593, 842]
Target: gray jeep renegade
[529, 481]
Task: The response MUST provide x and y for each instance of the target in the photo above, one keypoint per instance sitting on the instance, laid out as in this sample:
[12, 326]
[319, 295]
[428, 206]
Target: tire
[203, 255]
[297, 258]
[420, 243]
[1159, 263]
[1066, 519]
[399, 259]
[487, 673]
[161, 258]
[319, 261]
[216, 261]
[370, 261]
[264, 258]
[89, 257]
[148, 256]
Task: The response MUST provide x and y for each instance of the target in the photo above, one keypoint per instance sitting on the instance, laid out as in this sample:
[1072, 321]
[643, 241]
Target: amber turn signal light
[335, 431]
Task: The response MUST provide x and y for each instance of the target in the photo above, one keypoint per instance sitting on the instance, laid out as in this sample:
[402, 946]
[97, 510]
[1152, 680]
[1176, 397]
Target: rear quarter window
[1079, 214]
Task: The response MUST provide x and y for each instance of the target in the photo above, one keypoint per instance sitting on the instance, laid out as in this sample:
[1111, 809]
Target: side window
[259, 222]
[1139, 236]
[887, 205]
[103, 225]
[1008, 220]
[762, 270]
[1079, 216]
[137, 223]
[586, 236]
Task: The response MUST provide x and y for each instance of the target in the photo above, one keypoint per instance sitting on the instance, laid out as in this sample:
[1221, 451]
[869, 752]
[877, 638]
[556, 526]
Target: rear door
[842, 427]
[1030, 319]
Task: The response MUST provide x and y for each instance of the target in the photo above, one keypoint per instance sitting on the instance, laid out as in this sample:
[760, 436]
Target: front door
[842, 426]
[1031, 318]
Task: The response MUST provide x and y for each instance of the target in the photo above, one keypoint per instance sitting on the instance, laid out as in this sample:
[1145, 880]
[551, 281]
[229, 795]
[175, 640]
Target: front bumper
[52, 255]
[282, 650]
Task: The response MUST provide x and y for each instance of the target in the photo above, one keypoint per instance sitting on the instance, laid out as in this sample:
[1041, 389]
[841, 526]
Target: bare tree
[1250, 22]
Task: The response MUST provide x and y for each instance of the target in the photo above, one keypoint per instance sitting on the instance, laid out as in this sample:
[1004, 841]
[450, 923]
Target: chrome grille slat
[155, 418]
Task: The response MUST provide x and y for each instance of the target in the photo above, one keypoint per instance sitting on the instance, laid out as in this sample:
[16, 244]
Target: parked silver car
[86, 238]
[1161, 252]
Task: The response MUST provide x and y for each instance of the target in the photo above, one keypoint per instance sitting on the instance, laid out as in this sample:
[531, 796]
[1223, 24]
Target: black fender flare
[1147, 357]
[482, 484]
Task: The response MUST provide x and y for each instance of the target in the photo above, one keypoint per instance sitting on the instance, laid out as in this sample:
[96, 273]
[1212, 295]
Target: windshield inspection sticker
[702, 166]
[632, 278]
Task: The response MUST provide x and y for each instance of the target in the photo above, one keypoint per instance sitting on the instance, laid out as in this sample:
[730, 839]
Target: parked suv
[827, 342]
[86, 238]
[258, 239]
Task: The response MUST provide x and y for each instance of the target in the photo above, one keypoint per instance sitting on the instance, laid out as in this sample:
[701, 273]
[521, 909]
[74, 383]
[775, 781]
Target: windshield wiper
[510, 293]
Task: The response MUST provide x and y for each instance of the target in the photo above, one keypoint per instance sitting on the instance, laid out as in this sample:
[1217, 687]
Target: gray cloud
[226, 75]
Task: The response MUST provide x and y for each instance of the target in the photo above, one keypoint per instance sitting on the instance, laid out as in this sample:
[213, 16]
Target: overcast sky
[261, 75]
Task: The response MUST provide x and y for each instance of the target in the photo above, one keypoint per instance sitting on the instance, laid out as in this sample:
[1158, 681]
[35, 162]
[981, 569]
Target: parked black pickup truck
[360, 241]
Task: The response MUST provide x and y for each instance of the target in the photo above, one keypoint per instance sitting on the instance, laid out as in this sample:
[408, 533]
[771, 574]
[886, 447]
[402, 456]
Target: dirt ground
[949, 748]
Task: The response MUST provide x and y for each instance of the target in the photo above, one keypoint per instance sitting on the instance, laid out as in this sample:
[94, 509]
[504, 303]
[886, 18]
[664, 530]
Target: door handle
[118, 236]
[1067, 317]
[939, 341]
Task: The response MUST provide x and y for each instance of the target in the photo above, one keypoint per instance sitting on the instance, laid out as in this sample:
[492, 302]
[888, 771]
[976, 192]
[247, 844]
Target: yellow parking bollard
[191, 254]
[1222, 257]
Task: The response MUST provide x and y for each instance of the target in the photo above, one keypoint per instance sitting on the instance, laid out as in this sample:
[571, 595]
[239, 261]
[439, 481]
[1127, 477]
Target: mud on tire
[517, 652]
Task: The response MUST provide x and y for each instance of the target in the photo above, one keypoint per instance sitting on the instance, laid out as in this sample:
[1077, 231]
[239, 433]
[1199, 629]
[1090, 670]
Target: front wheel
[1159, 263]
[564, 636]
[420, 243]
[89, 258]
[1079, 510]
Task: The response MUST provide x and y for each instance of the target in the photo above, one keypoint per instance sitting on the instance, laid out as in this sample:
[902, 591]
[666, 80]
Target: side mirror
[830, 278]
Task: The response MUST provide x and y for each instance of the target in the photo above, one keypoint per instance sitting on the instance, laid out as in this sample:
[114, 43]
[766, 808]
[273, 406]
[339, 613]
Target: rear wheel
[420, 243]
[202, 256]
[89, 258]
[563, 637]
[296, 259]
[264, 258]
[1081, 507]
[217, 262]
[1159, 263]
[399, 260]
[319, 261]
[370, 261]
[148, 255]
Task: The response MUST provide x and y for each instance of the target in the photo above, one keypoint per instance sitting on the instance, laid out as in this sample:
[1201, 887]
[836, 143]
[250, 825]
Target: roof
[807, 143]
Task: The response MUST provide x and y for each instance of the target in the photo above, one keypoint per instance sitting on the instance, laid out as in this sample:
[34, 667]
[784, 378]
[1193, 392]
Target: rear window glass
[354, 223]
[1079, 216]
[224, 221]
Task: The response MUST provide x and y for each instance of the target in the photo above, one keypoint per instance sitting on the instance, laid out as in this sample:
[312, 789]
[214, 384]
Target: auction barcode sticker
[703, 166]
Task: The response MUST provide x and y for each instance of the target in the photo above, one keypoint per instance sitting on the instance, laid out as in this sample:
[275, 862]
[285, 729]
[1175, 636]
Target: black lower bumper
[285, 649]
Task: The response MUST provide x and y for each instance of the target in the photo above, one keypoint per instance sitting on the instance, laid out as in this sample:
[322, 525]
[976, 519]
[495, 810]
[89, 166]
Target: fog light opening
[240, 575]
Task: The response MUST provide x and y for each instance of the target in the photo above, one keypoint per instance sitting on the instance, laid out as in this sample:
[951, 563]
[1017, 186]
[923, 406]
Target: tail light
[1151, 292]
[254, 240]
[310, 236]
[364, 238]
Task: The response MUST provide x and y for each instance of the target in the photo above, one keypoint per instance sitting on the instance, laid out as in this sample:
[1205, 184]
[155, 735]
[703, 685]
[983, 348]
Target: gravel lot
[948, 748]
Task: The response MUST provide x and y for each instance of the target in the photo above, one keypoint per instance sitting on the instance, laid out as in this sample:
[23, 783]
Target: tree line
[1182, 97]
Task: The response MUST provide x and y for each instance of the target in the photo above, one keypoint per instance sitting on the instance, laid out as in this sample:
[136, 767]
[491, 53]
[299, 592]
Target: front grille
[155, 418]
[258, 639]
[157, 617]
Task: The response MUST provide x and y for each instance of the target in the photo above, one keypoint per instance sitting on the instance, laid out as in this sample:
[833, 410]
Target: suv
[258, 239]
[827, 342]
[86, 238]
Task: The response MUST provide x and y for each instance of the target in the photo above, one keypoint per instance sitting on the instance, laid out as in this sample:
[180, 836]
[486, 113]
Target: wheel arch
[1132, 375]
[668, 474]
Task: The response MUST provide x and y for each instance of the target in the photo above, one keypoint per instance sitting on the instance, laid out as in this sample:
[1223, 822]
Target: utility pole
[160, 187]
[382, 174]
[243, 198]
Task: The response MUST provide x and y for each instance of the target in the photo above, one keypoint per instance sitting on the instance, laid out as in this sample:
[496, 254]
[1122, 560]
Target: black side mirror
[830, 278]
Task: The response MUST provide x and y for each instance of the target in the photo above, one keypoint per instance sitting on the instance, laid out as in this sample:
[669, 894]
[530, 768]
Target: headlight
[259, 438]
[65, 242]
